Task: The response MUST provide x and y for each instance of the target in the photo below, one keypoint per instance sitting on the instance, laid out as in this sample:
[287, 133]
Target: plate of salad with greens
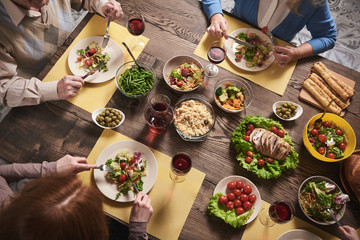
[253, 59]
[317, 194]
[87, 53]
[236, 200]
[132, 162]
[264, 147]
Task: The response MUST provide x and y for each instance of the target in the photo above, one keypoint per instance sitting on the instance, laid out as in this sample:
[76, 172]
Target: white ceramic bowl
[299, 110]
[100, 110]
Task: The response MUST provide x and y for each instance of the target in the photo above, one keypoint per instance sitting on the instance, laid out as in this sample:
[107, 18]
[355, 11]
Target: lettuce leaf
[229, 216]
[268, 170]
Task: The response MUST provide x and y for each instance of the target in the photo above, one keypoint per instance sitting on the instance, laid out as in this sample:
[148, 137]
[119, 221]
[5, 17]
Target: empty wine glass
[136, 26]
[278, 212]
[216, 55]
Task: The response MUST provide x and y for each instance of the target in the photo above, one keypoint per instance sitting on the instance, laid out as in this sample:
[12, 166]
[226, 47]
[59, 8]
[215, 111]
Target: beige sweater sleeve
[137, 231]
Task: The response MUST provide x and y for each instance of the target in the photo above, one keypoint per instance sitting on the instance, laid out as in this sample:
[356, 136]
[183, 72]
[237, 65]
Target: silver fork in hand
[105, 168]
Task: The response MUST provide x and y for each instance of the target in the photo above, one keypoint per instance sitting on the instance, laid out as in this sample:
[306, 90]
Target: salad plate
[109, 189]
[112, 49]
[231, 50]
[221, 187]
[298, 234]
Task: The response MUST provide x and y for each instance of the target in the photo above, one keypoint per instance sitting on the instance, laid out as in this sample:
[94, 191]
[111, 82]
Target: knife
[106, 35]
[94, 70]
[135, 187]
[246, 44]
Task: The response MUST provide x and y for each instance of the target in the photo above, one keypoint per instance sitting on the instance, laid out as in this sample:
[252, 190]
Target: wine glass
[159, 114]
[216, 55]
[180, 166]
[136, 26]
[278, 212]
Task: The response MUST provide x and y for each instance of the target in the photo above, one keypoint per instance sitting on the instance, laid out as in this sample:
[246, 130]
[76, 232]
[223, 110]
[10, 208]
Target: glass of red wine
[136, 26]
[216, 55]
[159, 114]
[180, 166]
[278, 212]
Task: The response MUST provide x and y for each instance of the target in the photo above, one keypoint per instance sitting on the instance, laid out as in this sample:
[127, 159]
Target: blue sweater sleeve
[211, 7]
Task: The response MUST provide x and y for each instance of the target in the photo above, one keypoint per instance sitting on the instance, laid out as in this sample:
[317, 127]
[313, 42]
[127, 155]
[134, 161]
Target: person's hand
[218, 26]
[68, 86]
[349, 233]
[284, 55]
[141, 210]
[69, 164]
[112, 8]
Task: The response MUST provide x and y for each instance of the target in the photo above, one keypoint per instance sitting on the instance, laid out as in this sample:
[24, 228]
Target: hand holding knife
[94, 70]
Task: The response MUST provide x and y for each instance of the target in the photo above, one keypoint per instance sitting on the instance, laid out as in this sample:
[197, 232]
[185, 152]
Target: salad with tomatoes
[186, 76]
[235, 207]
[254, 161]
[91, 56]
[128, 168]
[328, 140]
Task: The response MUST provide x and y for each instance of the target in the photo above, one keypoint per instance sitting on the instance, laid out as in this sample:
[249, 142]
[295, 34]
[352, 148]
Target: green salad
[91, 56]
[253, 160]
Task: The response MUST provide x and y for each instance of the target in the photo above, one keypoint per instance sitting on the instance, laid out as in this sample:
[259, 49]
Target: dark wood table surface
[50, 130]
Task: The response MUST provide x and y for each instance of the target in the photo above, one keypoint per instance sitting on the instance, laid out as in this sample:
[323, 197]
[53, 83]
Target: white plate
[298, 234]
[299, 110]
[116, 59]
[100, 110]
[231, 49]
[222, 187]
[109, 189]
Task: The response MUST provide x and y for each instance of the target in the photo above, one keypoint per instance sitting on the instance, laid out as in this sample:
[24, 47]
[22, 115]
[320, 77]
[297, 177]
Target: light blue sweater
[316, 19]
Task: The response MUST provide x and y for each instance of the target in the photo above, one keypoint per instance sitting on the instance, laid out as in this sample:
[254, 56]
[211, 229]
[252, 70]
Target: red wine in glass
[136, 26]
[216, 55]
[159, 114]
[281, 211]
[180, 167]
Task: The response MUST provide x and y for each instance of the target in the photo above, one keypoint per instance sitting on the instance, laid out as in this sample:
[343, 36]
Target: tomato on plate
[92, 51]
[88, 62]
[231, 196]
[261, 162]
[237, 203]
[248, 159]
[342, 146]
[247, 205]
[239, 185]
[239, 210]
[314, 132]
[249, 154]
[223, 199]
[326, 124]
[246, 138]
[270, 160]
[132, 161]
[274, 130]
[237, 192]
[123, 165]
[321, 150]
[252, 198]
[244, 198]
[321, 138]
[248, 132]
[250, 127]
[330, 155]
[122, 178]
[230, 205]
[281, 133]
[338, 132]
[247, 189]
[231, 185]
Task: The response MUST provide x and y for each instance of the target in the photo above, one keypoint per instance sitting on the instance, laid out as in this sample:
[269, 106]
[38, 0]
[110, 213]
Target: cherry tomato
[246, 138]
[248, 159]
[270, 160]
[132, 161]
[223, 199]
[247, 205]
[239, 210]
[321, 138]
[321, 150]
[237, 192]
[248, 132]
[239, 185]
[237, 203]
[281, 133]
[330, 155]
[261, 162]
[230, 205]
[326, 124]
[274, 130]
[338, 132]
[123, 165]
[314, 132]
[342, 146]
[231, 196]
[250, 127]
[92, 51]
[249, 154]
[179, 83]
[122, 178]
[247, 189]
[252, 198]
[79, 59]
[231, 185]
[244, 198]
[88, 62]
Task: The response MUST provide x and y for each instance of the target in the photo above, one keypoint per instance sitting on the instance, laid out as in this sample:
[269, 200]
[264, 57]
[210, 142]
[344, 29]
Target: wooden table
[53, 129]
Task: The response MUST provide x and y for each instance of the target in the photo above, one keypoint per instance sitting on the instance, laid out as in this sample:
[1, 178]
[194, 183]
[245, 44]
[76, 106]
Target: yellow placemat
[256, 231]
[273, 78]
[94, 95]
[171, 201]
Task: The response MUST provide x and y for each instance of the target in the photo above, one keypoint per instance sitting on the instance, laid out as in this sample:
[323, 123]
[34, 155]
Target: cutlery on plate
[135, 187]
[105, 168]
[106, 35]
[94, 70]
[246, 44]
[333, 216]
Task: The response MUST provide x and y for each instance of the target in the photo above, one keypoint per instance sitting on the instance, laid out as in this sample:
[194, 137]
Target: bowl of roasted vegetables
[317, 196]
[233, 95]
[332, 140]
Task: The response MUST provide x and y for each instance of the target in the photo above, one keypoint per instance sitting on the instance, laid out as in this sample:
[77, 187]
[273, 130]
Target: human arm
[218, 25]
[287, 54]
[104, 7]
[349, 233]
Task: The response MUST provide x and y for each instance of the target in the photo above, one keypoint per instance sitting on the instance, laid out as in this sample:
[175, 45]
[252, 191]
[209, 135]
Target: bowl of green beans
[134, 81]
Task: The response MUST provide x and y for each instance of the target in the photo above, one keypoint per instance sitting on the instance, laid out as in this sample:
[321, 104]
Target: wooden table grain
[50, 130]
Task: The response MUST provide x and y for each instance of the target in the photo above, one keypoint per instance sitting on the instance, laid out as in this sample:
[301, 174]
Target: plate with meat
[264, 147]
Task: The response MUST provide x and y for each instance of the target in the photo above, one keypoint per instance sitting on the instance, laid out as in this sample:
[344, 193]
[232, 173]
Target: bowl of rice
[194, 117]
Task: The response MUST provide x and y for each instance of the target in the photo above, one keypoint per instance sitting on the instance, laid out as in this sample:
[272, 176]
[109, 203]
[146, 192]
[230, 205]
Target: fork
[105, 168]
[106, 35]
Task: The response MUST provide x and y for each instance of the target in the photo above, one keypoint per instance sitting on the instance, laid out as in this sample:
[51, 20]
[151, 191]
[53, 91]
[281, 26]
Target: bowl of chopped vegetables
[134, 81]
[233, 94]
[183, 73]
[332, 141]
[317, 195]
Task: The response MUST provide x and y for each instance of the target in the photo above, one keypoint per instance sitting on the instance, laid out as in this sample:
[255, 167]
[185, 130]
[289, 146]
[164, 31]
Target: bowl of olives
[287, 111]
[108, 118]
